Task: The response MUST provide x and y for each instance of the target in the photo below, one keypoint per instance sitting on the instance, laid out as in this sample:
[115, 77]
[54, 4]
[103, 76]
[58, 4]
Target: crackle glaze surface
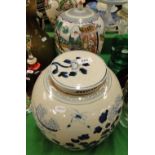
[78, 121]
[79, 30]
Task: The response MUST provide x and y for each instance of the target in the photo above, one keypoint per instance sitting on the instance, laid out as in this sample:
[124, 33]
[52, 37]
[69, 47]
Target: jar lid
[79, 15]
[78, 72]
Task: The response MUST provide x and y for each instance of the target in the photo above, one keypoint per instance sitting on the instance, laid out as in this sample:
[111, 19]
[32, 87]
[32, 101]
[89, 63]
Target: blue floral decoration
[68, 64]
[50, 124]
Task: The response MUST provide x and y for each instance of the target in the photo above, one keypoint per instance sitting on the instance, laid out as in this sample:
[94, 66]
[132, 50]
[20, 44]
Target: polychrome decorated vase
[79, 29]
[54, 7]
[77, 100]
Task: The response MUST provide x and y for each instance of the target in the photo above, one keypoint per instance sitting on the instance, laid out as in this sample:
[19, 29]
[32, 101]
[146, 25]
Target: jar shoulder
[53, 99]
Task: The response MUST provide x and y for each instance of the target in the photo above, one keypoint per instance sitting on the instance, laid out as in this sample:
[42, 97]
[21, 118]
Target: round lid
[78, 72]
[79, 14]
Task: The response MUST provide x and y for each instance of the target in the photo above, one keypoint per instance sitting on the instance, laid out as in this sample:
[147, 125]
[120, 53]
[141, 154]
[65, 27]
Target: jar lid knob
[80, 4]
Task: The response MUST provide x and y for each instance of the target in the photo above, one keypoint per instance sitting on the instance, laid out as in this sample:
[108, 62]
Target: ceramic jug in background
[42, 45]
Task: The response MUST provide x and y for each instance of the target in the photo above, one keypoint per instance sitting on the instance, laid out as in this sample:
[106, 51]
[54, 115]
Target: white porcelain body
[79, 33]
[76, 122]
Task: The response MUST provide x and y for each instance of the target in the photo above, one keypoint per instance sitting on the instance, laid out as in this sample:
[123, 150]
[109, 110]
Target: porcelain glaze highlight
[79, 29]
[81, 110]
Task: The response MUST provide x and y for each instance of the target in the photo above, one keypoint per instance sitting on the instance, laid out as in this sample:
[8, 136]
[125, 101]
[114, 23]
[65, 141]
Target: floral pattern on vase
[55, 7]
[116, 109]
[49, 124]
[73, 65]
[71, 35]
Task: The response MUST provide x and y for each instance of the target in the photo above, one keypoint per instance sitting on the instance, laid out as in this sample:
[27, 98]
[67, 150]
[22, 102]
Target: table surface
[37, 144]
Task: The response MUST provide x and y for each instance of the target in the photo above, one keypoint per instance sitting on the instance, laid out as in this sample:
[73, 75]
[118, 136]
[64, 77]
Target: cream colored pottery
[54, 7]
[79, 29]
[77, 100]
